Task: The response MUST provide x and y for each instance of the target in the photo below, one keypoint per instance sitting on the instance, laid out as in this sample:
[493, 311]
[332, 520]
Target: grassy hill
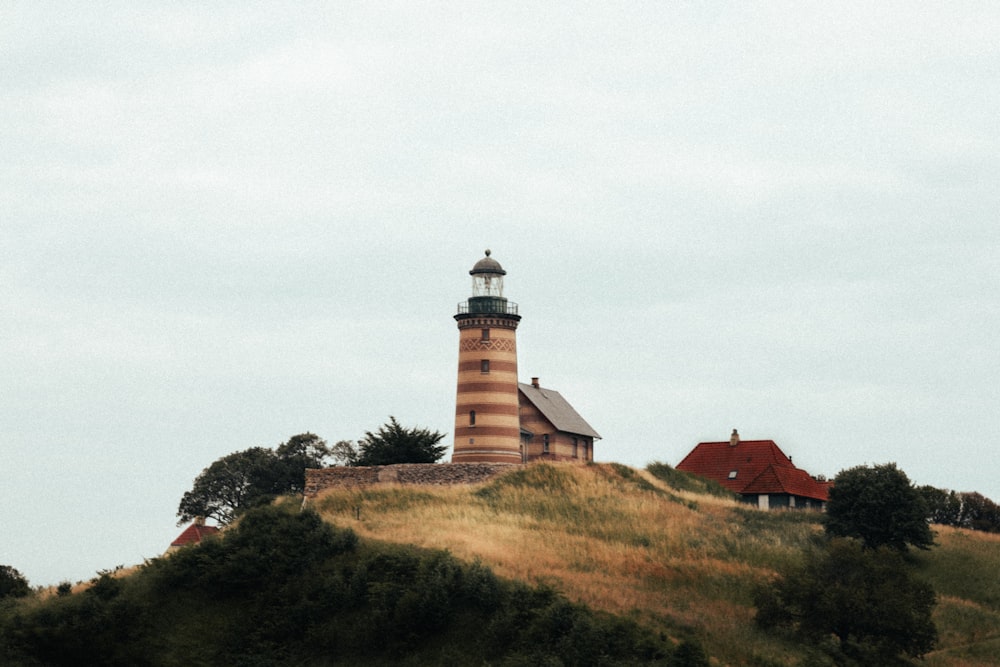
[661, 548]
[546, 565]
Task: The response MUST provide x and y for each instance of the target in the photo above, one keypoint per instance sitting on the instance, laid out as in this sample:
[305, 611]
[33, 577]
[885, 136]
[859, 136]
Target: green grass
[378, 500]
[964, 564]
[683, 481]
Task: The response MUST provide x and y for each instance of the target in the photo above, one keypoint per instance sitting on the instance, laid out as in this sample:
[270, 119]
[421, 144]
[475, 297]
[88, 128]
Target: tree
[979, 513]
[251, 477]
[13, 584]
[345, 453]
[943, 507]
[879, 506]
[395, 444]
[306, 450]
[866, 598]
[232, 483]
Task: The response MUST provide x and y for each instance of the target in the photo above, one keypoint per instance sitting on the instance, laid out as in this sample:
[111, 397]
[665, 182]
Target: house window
[486, 335]
[575, 442]
[472, 417]
[484, 366]
[732, 474]
[545, 443]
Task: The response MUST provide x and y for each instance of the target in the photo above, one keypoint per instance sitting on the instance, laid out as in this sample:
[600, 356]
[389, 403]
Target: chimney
[734, 439]
[199, 521]
[534, 382]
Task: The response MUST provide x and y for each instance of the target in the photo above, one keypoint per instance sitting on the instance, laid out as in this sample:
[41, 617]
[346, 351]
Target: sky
[224, 224]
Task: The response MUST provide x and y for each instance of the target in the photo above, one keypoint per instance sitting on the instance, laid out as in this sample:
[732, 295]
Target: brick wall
[320, 479]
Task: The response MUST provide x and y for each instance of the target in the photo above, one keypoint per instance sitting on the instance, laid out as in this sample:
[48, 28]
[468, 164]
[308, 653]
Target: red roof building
[757, 470]
[193, 534]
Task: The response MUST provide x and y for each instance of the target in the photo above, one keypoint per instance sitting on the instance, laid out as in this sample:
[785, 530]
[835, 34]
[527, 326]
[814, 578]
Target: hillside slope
[282, 588]
[548, 564]
[681, 562]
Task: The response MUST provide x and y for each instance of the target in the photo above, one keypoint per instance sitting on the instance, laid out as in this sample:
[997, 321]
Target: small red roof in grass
[751, 467]
[193, 534]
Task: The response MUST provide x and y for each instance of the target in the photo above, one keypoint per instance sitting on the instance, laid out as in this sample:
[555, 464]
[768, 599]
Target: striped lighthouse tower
[487, 425]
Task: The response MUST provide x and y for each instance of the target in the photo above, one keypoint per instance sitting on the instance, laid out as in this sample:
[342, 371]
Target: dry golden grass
[627, 546]
[623, 541]
[80, 586]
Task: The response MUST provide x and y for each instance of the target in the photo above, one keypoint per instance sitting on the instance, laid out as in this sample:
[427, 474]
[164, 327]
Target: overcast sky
[223, 224]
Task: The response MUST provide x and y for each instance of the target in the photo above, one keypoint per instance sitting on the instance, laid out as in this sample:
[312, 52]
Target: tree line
[970, 510]
[256, 476]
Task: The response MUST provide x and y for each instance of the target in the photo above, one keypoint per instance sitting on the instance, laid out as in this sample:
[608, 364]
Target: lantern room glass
[487, 284]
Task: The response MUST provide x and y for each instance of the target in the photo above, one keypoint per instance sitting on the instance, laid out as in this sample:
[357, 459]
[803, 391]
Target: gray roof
[487, 265]
[557, 410]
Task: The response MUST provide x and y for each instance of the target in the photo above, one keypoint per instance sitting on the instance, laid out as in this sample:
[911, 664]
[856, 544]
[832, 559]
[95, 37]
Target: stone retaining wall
[320, 479]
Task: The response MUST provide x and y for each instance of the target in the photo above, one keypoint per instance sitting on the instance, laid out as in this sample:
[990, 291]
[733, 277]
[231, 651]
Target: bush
[282, 587]
[13, 584]
[866, 598]
[688, 654]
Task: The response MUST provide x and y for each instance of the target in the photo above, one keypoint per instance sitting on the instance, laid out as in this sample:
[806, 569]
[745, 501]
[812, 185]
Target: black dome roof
[488, 265]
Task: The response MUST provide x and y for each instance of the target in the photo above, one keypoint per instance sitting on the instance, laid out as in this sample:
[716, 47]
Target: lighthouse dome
[488, 265]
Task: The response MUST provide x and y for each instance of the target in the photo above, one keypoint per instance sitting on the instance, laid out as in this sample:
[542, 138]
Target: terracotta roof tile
[793, 481]
[193, 534]
[751, 466]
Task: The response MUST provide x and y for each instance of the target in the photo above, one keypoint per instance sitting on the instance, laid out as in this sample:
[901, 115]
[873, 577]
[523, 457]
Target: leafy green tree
[13, 584]
[866, 598]
[879, 506]
[232, 483]
[979, 513]
[345, 453]
[306, 450]
[251, 477]
[943, 507]
[395, 444]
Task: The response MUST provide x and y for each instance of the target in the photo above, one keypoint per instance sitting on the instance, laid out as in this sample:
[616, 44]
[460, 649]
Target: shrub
[12, 583]
[283, 588]
[866, 598]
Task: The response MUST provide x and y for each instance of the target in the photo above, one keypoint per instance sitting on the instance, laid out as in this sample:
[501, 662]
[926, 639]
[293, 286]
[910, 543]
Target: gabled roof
[793, 481]
[748, 458]
[557, 410]
[751, 467]
[193, 534]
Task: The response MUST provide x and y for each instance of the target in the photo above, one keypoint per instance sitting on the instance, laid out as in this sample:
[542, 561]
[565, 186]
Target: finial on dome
[487, 252]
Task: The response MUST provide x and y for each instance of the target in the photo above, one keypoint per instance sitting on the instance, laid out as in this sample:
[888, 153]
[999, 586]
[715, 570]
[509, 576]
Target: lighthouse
[487, 423]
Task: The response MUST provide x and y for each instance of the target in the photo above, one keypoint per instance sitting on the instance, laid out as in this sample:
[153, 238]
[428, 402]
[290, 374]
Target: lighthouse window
[472, 417]
[486, 335]
[484, 366]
